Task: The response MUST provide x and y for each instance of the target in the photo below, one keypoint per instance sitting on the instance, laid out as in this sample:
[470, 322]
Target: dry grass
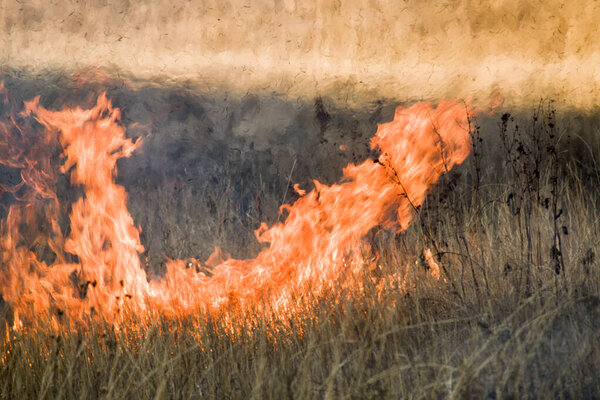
[516, 314]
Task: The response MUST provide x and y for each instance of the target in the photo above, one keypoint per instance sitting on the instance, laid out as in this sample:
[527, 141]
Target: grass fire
[320, 238]
[263, 201]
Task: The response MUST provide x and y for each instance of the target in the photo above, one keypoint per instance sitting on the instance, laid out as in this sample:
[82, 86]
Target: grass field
[514, 314]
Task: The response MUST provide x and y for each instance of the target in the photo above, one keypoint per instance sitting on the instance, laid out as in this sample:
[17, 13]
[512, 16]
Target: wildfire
[94, 271]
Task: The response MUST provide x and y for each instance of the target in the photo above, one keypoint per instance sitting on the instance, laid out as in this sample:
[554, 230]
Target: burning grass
[96, 271]
[426, 342]
[492, 292]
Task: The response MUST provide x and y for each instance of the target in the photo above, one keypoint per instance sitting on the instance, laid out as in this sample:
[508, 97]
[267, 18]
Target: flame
[102, 236]
[96, 271]
[434, 268]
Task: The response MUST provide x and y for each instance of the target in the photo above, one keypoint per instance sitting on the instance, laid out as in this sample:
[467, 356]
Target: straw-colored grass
[516, 313]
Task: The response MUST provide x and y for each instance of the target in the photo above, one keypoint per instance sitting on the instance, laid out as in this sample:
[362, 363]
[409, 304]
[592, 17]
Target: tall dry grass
[515, 314]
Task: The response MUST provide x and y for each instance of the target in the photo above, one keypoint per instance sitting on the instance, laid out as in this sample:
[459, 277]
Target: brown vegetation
[515, 314]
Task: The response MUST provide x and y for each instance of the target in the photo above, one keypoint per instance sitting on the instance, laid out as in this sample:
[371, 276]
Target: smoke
[350, 50]
[213, 165]
[237, 100]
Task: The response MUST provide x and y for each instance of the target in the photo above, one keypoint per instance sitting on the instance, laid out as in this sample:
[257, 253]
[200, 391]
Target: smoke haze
[239, 100]
[353, 50]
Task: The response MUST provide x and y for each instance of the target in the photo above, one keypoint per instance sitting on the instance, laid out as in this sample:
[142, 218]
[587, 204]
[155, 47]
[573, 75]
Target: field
[513, 233]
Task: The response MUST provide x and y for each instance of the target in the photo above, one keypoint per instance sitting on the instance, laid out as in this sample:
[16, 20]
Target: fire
[95, 271]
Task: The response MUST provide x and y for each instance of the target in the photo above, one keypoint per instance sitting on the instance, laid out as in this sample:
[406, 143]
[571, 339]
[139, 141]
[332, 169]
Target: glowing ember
[95, 272]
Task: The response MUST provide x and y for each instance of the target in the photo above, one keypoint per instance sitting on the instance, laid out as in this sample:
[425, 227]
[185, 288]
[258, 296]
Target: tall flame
[96, 272]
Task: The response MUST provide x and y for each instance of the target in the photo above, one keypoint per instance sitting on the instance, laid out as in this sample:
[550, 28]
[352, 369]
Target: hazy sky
[410, 50]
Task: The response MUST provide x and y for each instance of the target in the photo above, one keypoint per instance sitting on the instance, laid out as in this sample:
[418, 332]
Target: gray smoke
[214, 164]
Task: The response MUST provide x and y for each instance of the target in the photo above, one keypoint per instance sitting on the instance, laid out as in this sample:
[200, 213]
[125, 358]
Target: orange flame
[97, 273]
